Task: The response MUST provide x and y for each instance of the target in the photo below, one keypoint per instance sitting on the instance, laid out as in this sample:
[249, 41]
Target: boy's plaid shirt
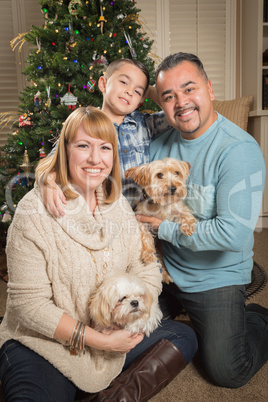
[134, 136]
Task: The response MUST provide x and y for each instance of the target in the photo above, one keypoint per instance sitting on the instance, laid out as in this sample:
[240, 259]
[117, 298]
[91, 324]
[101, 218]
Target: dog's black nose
[172, 189]
[134, 303]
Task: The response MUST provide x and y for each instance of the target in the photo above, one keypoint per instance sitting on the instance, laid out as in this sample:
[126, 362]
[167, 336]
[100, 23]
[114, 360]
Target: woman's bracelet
[77, 339]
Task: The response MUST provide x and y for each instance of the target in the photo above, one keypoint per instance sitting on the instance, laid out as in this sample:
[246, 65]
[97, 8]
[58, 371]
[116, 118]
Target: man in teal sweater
[211, 268]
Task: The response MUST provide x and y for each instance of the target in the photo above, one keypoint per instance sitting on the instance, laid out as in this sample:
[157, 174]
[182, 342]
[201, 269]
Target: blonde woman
[54, 265]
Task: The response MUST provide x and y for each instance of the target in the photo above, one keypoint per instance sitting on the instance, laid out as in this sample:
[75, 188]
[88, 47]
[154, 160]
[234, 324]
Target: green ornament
[73, 6]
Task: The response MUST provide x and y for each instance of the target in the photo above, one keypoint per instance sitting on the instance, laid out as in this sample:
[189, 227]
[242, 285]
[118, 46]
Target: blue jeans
[26, 376]
[233, 342]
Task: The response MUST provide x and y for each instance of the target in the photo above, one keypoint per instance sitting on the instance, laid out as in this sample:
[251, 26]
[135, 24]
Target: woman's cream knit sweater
[53, 265]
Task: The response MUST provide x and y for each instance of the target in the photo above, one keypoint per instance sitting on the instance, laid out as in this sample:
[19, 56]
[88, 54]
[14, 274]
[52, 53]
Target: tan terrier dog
[163, 184]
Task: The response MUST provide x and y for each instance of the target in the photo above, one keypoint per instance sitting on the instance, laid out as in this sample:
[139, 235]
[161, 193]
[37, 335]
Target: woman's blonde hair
[97, 125]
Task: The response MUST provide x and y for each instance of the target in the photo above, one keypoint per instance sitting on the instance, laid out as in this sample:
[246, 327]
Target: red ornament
[25, 120]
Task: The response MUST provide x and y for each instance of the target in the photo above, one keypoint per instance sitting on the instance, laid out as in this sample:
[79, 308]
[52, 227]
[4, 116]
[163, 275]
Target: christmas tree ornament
[100, 61]
[37, 99]
[25, 120]
[71, 42]
[73, 7]
[26, 165]
[18, 179]
[91, 86]
[42, 153]
[18, 41]
[38, 43]
[6, 217]
[69, 99]
[48, 102]
[132, 51]
[102, 20]
[45, 10]
[8, 118]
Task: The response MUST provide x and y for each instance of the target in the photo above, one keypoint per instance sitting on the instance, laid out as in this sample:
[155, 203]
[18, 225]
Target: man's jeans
[233, 342]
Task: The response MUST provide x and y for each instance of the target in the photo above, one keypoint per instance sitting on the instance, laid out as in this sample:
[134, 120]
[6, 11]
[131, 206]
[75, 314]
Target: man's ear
[102, 84]
[210, 90]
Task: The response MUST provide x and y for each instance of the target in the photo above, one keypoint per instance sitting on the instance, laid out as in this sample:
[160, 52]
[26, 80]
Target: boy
[125, 86]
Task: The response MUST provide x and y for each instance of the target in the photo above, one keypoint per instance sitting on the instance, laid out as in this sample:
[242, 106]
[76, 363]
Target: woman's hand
[121, 341]
[52, 197]
[111, 341]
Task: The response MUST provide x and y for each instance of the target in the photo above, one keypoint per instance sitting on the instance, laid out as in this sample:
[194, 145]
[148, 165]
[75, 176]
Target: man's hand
[151, 221]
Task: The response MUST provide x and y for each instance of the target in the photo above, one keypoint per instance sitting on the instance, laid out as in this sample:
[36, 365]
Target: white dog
[123, 301]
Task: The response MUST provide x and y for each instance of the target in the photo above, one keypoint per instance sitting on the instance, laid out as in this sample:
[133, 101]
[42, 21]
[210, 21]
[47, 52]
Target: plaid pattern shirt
[134, 136]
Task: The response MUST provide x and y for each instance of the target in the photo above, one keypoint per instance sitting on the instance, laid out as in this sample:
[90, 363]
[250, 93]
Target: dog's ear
[186, 167]
[138, 175]
[132, 173]
[149, 301]
[100, 309]
[188, 164]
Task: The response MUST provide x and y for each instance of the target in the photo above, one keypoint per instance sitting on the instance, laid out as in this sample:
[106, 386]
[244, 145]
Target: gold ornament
[102, 20]
[26, 165]
[18, 41]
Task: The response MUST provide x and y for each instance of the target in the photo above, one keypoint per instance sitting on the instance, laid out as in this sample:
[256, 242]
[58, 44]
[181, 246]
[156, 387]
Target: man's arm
[238, 202]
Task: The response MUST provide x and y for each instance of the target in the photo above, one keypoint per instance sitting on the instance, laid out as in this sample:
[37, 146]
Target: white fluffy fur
[124, 301]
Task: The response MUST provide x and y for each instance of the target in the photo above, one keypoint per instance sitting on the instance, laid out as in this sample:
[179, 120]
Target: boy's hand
[152, 221]
[53, 197]
[152, 93]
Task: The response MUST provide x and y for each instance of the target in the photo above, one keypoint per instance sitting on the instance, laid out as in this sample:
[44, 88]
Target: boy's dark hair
[174, 59]
[116, 64]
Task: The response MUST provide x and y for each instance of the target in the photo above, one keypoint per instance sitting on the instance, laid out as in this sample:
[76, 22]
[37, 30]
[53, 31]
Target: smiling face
[90, 161]
[186, 98]
[123, 91]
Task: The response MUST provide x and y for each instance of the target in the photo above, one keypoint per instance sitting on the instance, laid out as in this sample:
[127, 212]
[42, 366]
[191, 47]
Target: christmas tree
[73, 48]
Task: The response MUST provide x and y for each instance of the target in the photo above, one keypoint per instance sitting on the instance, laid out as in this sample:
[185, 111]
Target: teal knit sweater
[225, 190]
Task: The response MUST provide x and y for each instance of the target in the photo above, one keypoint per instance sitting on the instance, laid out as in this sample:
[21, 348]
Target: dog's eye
[123, 298]
[176, 173]
[160, 175]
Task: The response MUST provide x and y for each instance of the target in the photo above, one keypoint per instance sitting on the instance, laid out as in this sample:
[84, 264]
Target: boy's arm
[152, 94]
[52, 196]
[156, 122]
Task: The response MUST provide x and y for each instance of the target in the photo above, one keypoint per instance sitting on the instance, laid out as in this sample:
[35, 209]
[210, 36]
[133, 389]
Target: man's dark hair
[174, 59]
